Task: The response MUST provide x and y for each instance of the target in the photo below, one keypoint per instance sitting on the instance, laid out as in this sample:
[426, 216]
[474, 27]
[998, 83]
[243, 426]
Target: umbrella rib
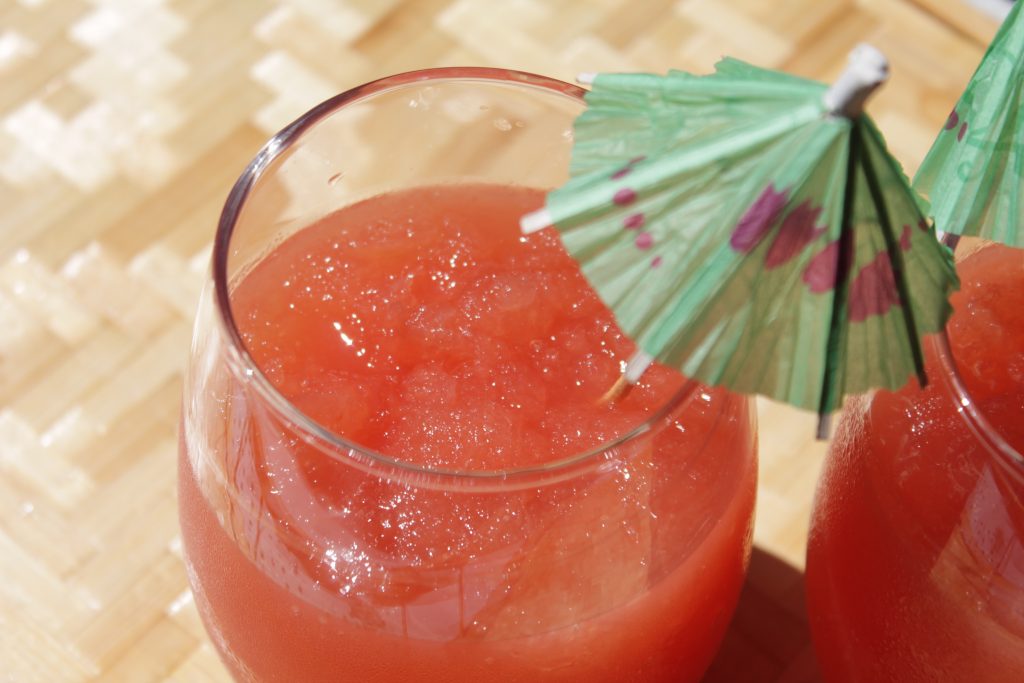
[827, 399]
[899, 272]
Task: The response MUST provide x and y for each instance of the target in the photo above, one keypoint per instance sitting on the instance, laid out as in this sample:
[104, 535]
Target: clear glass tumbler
[915, 565]
[344, 526]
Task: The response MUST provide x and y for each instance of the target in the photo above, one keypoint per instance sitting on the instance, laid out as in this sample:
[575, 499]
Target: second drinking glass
[915, 565]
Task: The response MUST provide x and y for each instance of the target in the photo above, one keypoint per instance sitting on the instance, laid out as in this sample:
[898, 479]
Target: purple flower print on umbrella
[758, 219]
[633, 221]
[820, 274]
[624, 196]
[799, 228]
[873, 290]
[952, 120]
[951, 123]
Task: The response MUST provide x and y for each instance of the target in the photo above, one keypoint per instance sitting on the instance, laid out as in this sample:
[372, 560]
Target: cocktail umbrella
[974, 172]
[751, 229]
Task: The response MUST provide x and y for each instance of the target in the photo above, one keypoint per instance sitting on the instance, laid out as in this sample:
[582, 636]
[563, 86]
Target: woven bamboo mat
[123, 125]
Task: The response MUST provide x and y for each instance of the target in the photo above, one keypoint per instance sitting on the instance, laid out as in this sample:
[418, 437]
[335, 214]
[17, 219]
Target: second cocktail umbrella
[751, 229]
[974, 172]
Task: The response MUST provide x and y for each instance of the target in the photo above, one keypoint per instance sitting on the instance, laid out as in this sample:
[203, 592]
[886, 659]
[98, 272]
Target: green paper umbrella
[751, 229]
[973, 172]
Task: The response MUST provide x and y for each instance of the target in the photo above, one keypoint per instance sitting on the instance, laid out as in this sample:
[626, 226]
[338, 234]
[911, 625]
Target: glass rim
[984, 432]
[967, 407]
[244, 366]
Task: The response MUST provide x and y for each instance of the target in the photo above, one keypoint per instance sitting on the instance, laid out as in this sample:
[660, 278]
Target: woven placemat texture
[122, 126]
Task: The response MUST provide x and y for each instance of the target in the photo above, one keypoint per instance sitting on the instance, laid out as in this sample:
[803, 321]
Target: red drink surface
[421, 325]
[916, 556]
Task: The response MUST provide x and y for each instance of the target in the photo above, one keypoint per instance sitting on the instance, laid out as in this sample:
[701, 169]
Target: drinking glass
[314, 557]
[915, 564]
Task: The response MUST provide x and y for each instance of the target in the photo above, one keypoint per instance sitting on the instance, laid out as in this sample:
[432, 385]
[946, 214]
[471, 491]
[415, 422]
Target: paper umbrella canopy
[751, 229]
[974, 172]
